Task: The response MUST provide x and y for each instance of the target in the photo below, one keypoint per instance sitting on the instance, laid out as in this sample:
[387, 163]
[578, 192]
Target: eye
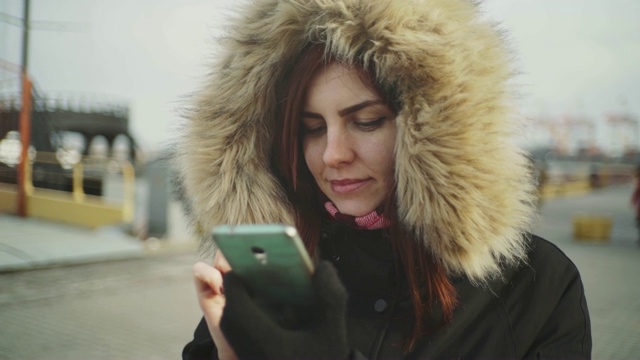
[369, 125]
[313, 129]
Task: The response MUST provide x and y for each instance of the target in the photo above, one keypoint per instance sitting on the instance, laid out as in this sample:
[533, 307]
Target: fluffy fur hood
[463, 187]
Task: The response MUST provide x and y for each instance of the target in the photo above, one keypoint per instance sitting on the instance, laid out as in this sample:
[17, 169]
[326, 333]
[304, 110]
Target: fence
[73, 196]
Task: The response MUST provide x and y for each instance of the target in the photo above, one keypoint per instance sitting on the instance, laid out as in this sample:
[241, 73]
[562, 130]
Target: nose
[339, 149]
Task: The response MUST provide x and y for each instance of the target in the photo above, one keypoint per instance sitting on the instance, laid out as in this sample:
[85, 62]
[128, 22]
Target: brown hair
[419, 266]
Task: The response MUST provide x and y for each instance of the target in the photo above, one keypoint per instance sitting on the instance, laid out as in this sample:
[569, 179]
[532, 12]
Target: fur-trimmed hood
[463, 187]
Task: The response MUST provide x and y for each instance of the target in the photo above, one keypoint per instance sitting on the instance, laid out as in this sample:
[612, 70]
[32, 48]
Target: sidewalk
[609, 270]
[33, 243]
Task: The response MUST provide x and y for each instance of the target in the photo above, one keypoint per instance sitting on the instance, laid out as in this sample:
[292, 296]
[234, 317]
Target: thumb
[332, 295]
[242, 313]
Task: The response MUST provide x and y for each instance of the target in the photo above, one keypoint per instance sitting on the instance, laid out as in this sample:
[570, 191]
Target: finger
[212, 309]
[220, 263]
[211, 301]
[207, 278]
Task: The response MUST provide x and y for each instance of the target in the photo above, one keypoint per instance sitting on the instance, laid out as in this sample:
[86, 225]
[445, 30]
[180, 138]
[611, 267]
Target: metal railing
[49, 202]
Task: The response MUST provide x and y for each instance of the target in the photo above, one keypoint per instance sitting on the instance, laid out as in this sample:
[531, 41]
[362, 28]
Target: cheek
[387, 164]
[312, 156]
[381, 157]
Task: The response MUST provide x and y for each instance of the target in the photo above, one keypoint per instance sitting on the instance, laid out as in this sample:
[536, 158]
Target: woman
[382, 130]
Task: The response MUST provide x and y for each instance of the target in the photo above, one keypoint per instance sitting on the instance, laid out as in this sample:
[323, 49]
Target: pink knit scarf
[371, 221]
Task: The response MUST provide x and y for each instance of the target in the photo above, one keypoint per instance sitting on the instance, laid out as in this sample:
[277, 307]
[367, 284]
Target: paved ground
[130, 309]
[609, 270]
[144, 307]
[31, 243]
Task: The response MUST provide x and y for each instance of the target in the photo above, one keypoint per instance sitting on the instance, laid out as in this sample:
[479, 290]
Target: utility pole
[25, 36]
[25, 114]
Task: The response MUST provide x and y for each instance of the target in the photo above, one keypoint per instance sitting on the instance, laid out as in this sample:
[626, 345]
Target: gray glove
[254, 333]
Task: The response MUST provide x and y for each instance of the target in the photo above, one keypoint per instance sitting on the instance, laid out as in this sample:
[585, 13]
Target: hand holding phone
[256, 335]
[209, 283]
[271, 260]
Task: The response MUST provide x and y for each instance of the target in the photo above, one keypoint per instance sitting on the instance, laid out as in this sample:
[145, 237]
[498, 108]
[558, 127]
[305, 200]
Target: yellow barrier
[91, 212]
[575, 187]
[606, 175]
[597, 228]
[8, 198]
[76, 207]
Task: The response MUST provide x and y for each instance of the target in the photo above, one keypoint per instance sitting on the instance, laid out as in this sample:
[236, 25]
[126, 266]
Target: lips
[346, 186]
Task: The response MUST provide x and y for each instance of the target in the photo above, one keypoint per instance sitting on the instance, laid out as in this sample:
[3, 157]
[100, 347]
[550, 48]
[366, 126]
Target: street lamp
[68, 157]
[11, 149]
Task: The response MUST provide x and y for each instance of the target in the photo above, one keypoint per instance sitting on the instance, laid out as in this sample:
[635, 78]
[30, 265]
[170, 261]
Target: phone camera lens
[257, 250]
[259, 254]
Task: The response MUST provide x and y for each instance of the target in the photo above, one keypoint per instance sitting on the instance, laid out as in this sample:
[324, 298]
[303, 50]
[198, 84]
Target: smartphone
[271, 260]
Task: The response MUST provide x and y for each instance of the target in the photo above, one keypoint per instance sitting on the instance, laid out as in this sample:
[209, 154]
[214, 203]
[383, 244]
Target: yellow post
[78, 191]
[28, 178]
[129, 179]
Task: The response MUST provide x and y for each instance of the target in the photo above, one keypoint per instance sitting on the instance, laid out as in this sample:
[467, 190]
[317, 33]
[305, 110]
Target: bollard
[592, 228]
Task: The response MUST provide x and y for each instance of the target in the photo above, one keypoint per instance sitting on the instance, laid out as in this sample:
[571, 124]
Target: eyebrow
[346, 111]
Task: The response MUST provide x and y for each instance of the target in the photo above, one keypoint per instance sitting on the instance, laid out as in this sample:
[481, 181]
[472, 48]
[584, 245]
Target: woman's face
[348, 140]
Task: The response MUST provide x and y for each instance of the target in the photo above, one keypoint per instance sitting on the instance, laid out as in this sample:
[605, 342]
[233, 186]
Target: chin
[358, 210]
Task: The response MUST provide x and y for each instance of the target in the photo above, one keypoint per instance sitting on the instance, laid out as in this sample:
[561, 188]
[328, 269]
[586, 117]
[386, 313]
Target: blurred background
[95, 255]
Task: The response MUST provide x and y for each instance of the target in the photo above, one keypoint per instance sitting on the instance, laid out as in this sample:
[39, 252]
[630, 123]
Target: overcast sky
[577, 57]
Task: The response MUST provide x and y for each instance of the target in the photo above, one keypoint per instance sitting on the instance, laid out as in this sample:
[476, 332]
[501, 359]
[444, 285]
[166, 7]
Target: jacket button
[380, 305]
